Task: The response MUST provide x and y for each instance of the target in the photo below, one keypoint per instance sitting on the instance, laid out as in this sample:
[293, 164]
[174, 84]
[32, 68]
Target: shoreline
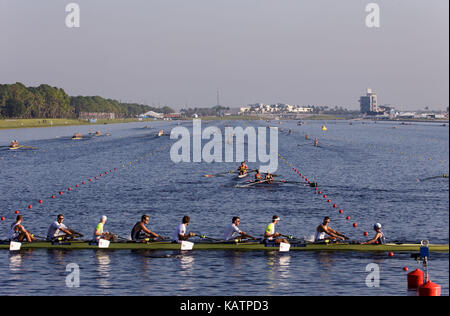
[46, 123]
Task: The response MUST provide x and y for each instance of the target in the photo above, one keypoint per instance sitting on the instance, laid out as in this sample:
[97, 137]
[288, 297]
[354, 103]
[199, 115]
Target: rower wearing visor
[379, 238]
[141, 232]
[270, 235]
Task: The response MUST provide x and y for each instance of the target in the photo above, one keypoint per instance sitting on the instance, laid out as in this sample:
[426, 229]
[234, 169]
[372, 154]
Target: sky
[179, 52]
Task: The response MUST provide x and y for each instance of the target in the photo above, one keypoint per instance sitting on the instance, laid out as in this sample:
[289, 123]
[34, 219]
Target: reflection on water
[15, 261]
[278, 273]
[103, 267]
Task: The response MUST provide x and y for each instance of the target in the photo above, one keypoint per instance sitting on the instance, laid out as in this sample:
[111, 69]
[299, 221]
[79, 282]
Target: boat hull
[249, 246]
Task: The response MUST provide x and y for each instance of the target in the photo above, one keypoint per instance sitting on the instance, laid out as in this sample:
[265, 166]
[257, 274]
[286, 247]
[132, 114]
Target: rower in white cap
[100, 234]
[270, 235]
[379, 238]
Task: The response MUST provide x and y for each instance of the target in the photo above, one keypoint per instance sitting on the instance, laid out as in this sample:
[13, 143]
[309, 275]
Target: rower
[269, 178]
[258, 176]
[316, 142]
[59, 230]
[271, 235]
[233, 232]
[306, 136]
[100, 234]
[14, 144]
[18, 232]
[243, 168]
[323, 230]
[180, 233]
[379, 238]
[141, 232]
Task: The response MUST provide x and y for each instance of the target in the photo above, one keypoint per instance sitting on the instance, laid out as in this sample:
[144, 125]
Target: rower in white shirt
[232, 231]
[59, 230]
[180, 233]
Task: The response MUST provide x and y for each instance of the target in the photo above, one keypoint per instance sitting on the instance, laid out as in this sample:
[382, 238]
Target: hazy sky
[179, 52]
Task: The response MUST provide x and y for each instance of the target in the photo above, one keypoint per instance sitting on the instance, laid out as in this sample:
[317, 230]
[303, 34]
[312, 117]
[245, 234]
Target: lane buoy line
[317, 190]
[418, 157]
[94, 179]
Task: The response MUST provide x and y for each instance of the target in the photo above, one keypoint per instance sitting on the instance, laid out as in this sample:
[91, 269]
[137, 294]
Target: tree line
[44, 101]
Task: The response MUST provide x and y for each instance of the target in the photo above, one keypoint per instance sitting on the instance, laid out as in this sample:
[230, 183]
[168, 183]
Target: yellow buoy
[324, 128]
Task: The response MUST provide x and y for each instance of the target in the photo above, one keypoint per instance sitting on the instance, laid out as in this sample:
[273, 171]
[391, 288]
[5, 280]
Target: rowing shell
[240, 176]
[246, 246]
[15, 148]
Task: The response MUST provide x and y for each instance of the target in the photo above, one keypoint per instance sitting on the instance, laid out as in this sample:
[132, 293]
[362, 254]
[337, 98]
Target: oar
[203, 236]
[29, 147]
[445, 176]
[220, 173]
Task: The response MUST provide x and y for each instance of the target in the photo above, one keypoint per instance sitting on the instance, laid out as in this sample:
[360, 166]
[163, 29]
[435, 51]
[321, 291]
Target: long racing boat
[242, 246]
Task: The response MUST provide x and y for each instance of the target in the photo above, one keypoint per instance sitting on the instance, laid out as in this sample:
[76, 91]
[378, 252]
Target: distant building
[96, 116]
[369, 103]
[151, 114]
[172, 116]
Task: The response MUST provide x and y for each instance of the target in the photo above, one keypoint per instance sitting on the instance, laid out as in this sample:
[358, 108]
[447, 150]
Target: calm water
[369, 170]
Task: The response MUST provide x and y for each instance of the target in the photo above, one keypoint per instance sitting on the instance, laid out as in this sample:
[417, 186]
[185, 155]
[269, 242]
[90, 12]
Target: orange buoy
[415, 279]
[430, 289]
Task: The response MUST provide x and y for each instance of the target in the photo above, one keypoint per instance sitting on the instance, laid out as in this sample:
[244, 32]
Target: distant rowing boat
[245, 246]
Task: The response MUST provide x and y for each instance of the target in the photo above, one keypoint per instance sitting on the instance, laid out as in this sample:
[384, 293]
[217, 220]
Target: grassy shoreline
[38, 123]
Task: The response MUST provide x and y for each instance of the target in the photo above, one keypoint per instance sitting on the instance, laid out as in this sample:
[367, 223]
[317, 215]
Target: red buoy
[30, 206]
[69, 189]
[405, 269]
[430, 289]
[341, 211]
[76, 185]
[83, 182]
[60, 193]
[334, 205]
[53, 196]
[40, 201]
[366, 234]
[2, 219]
[355, 225]
[320, 192]
[347, 218]
[329, 201]
[17, 212]
[391, 254]
[324, 196]
[415, 279]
